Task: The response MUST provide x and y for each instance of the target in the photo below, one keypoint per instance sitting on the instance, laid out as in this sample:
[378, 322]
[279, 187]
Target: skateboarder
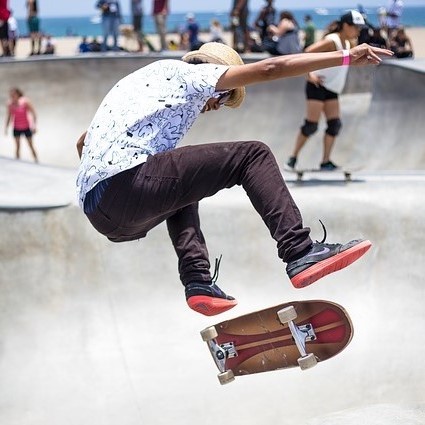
[133, 176]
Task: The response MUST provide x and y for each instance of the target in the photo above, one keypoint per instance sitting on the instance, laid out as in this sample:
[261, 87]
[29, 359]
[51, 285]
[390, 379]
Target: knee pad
[334, 127]
[309, 128]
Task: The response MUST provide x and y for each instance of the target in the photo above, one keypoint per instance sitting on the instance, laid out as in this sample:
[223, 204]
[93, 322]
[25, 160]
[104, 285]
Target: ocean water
[90, 26]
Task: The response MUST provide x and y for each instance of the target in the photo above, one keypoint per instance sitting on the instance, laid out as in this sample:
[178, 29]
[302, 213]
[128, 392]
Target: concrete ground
[95, 332]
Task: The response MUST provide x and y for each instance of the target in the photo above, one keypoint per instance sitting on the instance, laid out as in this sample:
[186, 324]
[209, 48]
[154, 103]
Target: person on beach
[286, 32]
[33, 22]
[13, 34]
[265, 18]
[401, 44]
[192, 30]
[309, 31]
[239, 20]
[137, 20]
[393, 15]
[132, 175]
[111, 20]
[21, 112]
[160, 12]
[4, 27]
[323, 87]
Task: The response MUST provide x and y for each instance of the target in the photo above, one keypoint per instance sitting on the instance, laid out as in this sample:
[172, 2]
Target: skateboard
[301, 171]
[294, 334]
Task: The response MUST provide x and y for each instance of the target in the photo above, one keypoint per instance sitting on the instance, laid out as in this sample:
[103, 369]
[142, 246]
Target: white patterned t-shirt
[147, 112]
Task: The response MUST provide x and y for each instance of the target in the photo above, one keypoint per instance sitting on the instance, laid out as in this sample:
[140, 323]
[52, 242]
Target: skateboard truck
[220, 353]
[301, 335]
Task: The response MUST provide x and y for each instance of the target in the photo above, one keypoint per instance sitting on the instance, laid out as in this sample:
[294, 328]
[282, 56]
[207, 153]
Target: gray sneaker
[323, 259]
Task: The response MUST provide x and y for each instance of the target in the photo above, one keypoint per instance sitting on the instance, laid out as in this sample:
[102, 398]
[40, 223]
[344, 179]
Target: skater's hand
[368, 55]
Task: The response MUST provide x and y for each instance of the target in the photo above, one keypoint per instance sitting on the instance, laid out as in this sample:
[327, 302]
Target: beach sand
[68, 46]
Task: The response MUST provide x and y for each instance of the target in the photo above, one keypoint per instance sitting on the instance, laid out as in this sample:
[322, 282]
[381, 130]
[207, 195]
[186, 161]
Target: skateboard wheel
[287, 314]
[308, 361]
[209, 333]
[226, 377]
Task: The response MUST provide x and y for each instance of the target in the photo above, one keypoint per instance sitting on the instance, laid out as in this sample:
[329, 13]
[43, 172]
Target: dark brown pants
[169, 186]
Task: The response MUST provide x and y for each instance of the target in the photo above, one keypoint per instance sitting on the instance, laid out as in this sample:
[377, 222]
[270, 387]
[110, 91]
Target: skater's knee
[309, 128]
[257, 145]
[334, 127]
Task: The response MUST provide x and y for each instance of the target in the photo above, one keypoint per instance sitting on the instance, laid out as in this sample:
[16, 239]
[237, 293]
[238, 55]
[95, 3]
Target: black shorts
[319, 93]
[27, 132]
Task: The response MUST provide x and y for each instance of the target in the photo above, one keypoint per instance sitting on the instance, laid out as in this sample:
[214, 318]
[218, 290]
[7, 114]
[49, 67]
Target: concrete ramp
[391, 135]
[31, 186]
[98, 333]
[382, 111]
[95, 332]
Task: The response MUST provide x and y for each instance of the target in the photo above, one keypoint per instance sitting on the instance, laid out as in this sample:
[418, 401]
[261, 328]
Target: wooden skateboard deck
[299, 333]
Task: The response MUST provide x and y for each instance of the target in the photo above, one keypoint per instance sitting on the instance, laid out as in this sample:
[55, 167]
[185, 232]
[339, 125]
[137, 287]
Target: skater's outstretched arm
[298, 64]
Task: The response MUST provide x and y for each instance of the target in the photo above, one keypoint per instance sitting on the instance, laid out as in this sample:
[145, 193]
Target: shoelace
[325, 234]
[216, 269]
[324, 231]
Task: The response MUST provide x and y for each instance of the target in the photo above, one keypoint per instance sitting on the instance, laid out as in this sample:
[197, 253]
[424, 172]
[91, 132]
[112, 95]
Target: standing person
[160, 13]
[239, 19]
[33, 22]
[4, 27]
[309, 30]
[133, 176]
[13, 33]
[265, 18]
[111, 19]
[22, 113]
[137, 17]
[393, 14]
[192, 29]
[323, 87]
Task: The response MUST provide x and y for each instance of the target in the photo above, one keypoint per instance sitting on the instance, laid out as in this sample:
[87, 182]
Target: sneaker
[291, 162]
[328, 166]
[323, 259]
[207, 298]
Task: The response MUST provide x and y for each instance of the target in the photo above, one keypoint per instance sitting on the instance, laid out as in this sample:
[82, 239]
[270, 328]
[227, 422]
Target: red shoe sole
[330, 265]
[210, 306]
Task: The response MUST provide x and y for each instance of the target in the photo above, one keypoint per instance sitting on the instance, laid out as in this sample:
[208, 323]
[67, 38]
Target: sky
[60, 8]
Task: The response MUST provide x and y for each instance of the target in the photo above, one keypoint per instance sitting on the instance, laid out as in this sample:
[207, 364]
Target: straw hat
[221, 54]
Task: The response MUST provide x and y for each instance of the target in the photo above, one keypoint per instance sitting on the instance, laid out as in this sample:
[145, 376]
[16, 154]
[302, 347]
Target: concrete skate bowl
[95, 332]
[381, 111]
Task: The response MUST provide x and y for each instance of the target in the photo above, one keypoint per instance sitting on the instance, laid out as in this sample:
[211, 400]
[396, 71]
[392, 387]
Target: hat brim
[238, 93]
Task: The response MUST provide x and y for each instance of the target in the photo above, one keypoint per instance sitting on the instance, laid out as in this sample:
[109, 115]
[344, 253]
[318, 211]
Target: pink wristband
[345, 57]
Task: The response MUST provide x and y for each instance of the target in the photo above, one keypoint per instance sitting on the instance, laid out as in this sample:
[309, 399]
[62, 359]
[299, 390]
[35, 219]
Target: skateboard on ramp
[294, 334]
[346, 172]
